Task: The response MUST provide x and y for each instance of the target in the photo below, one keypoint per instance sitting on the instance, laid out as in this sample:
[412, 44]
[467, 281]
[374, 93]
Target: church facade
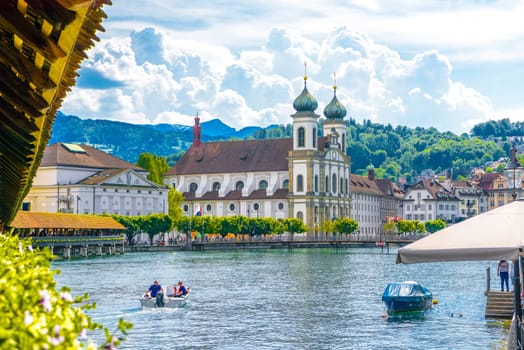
[306, 176]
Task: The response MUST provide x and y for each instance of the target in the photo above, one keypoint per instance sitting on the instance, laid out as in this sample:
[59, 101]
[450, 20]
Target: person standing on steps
[503, 272]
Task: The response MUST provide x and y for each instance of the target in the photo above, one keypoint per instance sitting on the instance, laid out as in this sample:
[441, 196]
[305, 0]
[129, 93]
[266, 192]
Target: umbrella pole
[518, 306]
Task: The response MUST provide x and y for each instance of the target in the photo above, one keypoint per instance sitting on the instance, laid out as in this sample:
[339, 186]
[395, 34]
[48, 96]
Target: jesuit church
[306, 176]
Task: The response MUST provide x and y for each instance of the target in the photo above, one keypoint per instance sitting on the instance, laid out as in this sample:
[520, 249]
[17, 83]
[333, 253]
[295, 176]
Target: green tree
[294, 225]
[435, 225]
[346, 226]
[131, 224]
[175, 199]
[156, 166]
[156, 223]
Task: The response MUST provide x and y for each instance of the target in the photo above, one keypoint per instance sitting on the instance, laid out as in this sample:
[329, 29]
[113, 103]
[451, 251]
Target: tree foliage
[34, 314]
[155, 165]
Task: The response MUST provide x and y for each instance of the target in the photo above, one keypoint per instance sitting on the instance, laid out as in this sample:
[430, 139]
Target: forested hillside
[393, 151]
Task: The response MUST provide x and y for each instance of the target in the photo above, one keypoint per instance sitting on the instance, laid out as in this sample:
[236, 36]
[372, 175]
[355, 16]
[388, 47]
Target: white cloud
[163, 79]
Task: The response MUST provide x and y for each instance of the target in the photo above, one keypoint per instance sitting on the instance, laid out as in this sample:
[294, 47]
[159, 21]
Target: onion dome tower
[335, 113]
[305, 120]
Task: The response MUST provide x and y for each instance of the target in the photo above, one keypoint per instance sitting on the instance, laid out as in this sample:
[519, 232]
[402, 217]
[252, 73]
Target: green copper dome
[305, 102]
[335, 109]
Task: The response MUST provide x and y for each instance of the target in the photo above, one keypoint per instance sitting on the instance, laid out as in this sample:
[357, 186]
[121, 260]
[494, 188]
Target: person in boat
[154, 289]
[503, 272]
[180, 289]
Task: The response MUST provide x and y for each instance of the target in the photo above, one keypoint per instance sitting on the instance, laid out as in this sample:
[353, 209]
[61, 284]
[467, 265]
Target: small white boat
[164, 300]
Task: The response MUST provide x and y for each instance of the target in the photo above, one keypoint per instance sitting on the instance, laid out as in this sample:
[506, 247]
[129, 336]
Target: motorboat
[408, 296]
[163, 299]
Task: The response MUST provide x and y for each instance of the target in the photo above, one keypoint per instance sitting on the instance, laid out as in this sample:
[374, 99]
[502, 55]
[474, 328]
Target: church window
[208, 208]
[341, 185]
[193, 187]
[314, 137]
[326, 184]
[301, 137]
[280, 206]
[256, 207]
[300, 215]
[216, 186]
[239, 186]
[232, 207]
[334, 183]
[285, 184]
[316, 183]
[300, 183]
[262, 185]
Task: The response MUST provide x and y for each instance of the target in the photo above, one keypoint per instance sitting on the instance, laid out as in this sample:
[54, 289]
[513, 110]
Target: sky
[447, 64]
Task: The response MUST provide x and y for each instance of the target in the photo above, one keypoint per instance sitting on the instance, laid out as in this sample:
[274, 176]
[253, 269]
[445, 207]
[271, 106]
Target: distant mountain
[128, 141]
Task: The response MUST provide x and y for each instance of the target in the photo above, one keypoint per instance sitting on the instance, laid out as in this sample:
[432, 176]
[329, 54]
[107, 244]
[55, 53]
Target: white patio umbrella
[495, 235]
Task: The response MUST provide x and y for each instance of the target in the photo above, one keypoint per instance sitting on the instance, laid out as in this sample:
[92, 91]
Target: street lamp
[513, 171]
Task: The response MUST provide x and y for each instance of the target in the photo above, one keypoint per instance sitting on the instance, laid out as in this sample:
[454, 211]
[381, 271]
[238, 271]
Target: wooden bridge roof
[42, 43]
[27, 219]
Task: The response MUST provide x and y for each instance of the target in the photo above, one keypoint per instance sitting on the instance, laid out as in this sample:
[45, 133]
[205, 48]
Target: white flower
[66, 296]
[46, 300]
[28, 318]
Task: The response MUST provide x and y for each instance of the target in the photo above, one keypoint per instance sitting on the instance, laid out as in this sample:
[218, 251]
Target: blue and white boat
[408, 296]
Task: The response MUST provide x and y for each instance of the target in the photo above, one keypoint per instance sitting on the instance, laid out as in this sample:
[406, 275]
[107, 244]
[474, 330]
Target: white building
[83, 180]
[429, 200]
[305, 176]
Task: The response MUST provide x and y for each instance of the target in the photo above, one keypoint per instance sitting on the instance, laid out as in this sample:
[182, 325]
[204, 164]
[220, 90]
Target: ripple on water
[304, 299]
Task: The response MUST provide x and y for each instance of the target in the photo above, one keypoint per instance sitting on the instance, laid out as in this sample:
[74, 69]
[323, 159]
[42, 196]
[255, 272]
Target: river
[276, 299]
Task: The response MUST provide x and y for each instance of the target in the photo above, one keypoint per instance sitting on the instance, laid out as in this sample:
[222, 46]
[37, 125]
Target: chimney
[197, 131]
[371, 174]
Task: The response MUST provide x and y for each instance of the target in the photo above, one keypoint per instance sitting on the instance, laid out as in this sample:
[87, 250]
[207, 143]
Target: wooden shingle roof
[42, 44]
[27, 219]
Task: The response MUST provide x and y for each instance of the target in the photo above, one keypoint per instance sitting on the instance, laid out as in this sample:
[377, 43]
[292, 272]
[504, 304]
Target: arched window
[314, 137]
[262, 185]
[186, 208]
[239, 186]
[300, 183]
[344, 143]
[216, 186]
[326, 184]
[334, 184]
[301, 137]
[341, 185]
[285, 184]
[300, 215]
[256, 206]
[208, 208]
[193, 187]
[280, 206]
[316, 183]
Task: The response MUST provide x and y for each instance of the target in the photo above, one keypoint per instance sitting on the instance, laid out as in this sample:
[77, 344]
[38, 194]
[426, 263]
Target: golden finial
[305, 70]
[335, 81]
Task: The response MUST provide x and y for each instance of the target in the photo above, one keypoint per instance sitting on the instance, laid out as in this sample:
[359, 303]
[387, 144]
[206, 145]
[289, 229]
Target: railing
[64, 241]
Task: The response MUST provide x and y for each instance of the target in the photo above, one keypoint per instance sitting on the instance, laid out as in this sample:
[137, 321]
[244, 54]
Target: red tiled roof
[58, 154]
[487, 179]
[362, 184]
[235, 156]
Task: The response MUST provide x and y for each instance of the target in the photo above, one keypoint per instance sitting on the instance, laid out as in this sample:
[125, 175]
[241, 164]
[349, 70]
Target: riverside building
[306, 176]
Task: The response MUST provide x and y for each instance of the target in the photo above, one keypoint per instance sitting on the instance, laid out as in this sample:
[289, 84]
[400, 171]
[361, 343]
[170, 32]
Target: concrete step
[499, 305]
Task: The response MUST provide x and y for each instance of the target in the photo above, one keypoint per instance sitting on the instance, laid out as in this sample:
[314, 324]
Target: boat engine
[160, 299]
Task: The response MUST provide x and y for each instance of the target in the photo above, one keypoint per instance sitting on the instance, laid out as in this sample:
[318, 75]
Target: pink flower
[57, 339]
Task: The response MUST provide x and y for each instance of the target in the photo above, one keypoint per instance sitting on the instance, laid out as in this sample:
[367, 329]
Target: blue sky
[434, 63]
